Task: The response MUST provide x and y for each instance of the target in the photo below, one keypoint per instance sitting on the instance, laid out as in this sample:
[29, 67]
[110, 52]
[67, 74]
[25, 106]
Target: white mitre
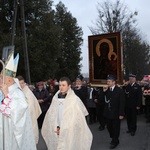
[11, 65]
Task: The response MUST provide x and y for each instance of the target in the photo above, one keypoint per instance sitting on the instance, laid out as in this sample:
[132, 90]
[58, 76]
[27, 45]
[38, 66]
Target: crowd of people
[109, 108]
[63, 110]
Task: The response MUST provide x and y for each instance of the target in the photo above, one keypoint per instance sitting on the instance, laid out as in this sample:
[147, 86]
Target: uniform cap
[79, 77]
[132, 75]
[111, 77]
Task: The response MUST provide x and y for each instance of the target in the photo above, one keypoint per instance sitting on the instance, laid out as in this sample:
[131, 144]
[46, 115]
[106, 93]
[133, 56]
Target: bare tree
[112, 17]
[116, 17]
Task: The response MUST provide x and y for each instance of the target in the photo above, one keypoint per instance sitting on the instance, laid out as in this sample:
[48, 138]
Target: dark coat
[99, 95]
[133, 95]
[82, 93]
[116, 106]
[44, 95]
[90, 100]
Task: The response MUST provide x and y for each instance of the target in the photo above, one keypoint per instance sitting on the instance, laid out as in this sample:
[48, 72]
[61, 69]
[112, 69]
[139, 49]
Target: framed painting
[105, 58]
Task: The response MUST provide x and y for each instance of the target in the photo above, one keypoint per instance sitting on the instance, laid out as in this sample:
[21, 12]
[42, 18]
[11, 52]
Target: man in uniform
[133, 93]
[114, 109]
[80, 90]
[99, 100]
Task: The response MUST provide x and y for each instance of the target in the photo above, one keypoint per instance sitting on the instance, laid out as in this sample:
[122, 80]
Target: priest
[34, 107]
[65, 126]
[17, 125]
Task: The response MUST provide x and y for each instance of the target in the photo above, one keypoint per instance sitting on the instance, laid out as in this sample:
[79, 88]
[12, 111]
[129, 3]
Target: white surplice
[74, 131]
[18, 131]
[34, 109]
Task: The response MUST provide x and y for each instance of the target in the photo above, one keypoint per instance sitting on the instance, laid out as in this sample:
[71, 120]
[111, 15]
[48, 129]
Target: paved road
[101, 140]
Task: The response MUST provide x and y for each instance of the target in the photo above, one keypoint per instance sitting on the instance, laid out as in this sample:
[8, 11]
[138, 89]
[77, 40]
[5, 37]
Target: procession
[60, 109]
[62, 88]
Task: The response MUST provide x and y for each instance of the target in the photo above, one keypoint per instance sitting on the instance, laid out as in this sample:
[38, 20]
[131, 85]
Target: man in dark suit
[81, 90]
[114, 109]
[99, 100]
[133, 93]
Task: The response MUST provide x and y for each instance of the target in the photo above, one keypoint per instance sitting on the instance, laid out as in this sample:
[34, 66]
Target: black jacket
[82, 93]
[115, 103]
[133, 95]
[44, 95]
[99, 95]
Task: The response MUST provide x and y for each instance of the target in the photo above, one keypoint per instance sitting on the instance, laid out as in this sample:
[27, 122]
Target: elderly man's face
[7, 80]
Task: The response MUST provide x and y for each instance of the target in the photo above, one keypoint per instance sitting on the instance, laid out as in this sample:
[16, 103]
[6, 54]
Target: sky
[85, 11]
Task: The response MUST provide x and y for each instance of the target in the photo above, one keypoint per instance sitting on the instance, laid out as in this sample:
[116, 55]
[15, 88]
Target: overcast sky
[86, 13]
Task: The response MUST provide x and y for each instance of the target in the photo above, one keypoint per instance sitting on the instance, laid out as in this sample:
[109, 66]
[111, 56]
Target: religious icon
[105, 57]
